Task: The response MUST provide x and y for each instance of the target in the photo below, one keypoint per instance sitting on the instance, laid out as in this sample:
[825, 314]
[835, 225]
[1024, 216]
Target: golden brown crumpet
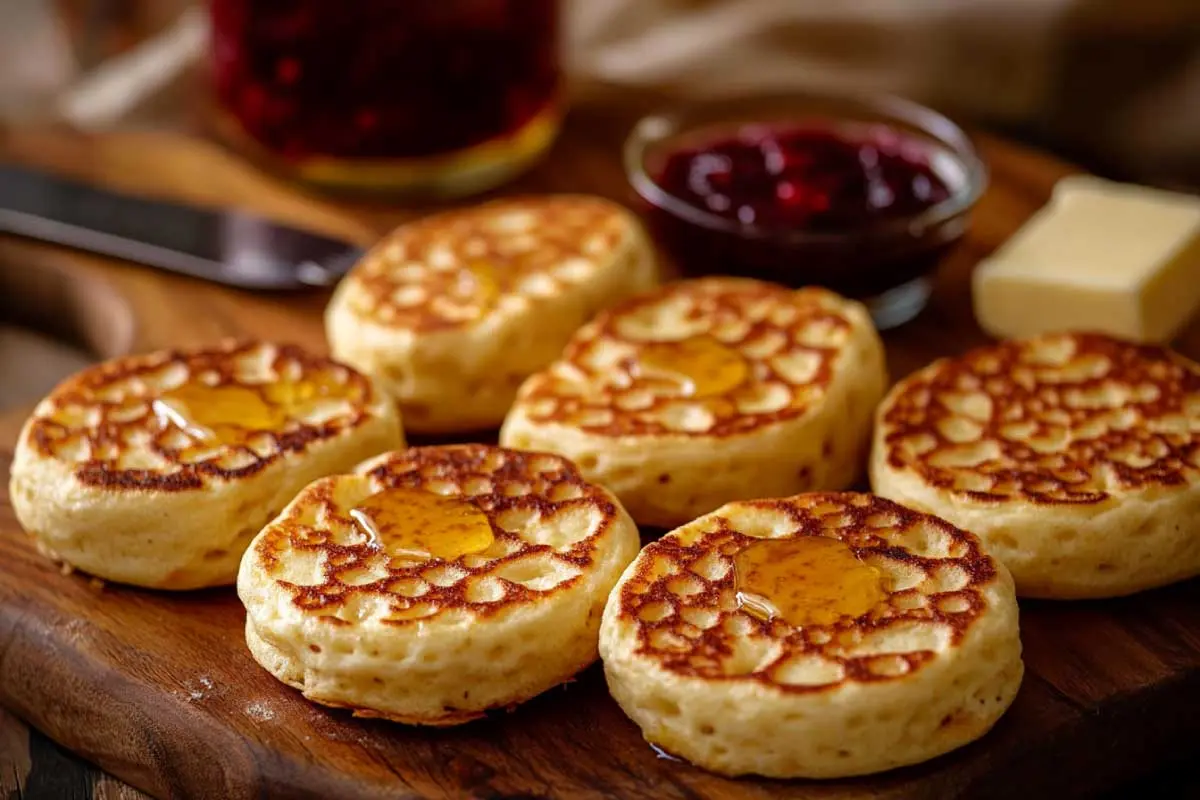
[436, 583]
[821, 635]
[158, 469]
[707, 391]
[1075, 457]
[451, 312]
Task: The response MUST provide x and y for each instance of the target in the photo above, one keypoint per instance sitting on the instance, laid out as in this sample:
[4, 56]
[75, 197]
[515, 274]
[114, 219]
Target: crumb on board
[195, 693]
[260, 711]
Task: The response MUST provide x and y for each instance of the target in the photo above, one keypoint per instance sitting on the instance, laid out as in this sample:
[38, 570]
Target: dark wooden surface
[159, 690]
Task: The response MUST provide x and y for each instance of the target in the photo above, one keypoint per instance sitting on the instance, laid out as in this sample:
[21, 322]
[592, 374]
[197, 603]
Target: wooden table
[1110, 690]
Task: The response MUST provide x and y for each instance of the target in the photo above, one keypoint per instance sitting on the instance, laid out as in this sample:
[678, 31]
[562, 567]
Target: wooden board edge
[138, 745]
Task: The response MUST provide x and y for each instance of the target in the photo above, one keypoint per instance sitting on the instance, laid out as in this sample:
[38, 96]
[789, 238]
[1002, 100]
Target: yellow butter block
[1100, 256]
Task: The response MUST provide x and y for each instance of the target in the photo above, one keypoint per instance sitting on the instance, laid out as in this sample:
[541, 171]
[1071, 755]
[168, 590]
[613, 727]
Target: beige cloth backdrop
[1114, 80]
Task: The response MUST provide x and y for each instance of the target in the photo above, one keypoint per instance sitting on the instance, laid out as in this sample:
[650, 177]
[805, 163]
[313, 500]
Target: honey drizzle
[701, 366]
[807, 580]
[482, 277]
[232, 414]
[418, 524]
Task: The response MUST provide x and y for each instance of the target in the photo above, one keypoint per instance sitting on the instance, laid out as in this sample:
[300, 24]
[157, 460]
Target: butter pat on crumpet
[1101, 256]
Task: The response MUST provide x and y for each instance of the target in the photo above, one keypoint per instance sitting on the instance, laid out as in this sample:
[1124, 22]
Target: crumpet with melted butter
[453, 311]
[708, 391]
[157, 470]
[1075, 457]
[435, 584]
[817, 636]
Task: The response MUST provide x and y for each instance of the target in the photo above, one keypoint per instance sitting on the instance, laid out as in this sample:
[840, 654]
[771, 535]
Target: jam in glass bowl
[863, 195]
[433, 97]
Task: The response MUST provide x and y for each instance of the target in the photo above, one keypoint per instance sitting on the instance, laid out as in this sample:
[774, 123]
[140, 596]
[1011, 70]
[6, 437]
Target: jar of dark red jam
[862, 195]
[437, 97]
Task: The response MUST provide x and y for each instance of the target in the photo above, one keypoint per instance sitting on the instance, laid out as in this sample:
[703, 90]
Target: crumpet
[157, 470]
[436, 583]
[708, 391]
[1075, 457]
[451, 312]
[818, 636]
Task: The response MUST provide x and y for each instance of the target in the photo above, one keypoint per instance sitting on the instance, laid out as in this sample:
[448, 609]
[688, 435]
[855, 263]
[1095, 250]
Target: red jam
[383, 79]
[818, 179]
[805, 203]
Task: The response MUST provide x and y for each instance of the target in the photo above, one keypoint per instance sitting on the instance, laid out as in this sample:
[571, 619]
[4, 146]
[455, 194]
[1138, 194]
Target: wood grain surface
[159, 690]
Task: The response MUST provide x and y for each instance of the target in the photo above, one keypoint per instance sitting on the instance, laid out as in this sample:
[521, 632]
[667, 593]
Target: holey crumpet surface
[708, 391]
[452, 311]
[819, 636]
[1075, 457]
[157, 470]
[436, 583]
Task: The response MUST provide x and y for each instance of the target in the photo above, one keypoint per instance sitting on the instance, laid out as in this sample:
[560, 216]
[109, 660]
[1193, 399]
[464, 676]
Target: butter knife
[231, 247]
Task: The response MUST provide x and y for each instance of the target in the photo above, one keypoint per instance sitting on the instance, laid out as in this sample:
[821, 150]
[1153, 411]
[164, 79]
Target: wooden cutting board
[159, 689]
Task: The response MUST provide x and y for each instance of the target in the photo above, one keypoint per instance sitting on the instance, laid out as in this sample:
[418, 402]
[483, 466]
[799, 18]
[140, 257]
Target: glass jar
[437, 97]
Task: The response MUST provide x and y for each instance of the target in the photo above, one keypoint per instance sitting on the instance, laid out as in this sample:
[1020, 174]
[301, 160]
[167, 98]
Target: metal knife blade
[234, 248]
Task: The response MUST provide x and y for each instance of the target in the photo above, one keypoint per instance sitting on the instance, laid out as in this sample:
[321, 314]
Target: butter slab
[1100, 256]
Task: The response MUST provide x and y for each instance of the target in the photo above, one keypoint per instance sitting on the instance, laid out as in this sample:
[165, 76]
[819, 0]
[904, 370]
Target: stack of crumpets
[1075, 457]
[707, 391]
[452, 312]
[437, 583]
[157, 470]
[822, 635]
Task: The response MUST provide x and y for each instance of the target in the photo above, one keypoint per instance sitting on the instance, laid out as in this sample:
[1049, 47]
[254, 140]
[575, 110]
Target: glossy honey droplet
[414, 523]
[700, 365]
[231, 414]
[224, 414]
[484, 288]
[293, 396]
[807, 580]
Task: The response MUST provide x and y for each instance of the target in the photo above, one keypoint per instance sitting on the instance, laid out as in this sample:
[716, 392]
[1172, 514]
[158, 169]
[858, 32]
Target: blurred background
[1112, 84]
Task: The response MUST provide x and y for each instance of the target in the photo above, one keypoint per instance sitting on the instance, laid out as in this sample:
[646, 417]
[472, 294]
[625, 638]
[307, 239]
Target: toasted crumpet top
[683, 595]
[173, 420]
[451, 269]
[544, 522]
[713, 357]
[1065, 418]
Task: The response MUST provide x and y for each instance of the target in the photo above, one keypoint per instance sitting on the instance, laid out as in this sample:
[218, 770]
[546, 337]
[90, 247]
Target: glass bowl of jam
[861, 194]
